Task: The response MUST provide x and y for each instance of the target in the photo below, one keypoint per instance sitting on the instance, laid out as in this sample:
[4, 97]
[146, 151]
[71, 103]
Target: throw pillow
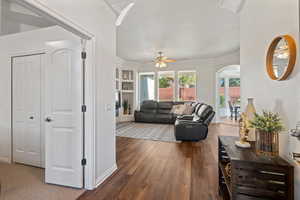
[178, 109]
[188, 110]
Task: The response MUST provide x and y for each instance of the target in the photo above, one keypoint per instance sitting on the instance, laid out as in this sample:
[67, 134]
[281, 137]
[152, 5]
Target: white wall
[97, 18]
[15, 19]
[19, 44]
[206, 73]
[261, 22]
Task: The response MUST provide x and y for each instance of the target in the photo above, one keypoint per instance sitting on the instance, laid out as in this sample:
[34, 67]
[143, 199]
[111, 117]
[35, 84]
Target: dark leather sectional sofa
[187, 128]
[194, 127]
[156, 112]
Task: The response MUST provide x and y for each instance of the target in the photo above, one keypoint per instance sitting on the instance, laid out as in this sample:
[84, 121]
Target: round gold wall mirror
[281, 57]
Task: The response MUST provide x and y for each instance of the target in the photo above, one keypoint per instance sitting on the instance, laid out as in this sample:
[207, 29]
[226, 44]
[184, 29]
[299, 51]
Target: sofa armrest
[187, 122]
[185, 117]
[186, 130]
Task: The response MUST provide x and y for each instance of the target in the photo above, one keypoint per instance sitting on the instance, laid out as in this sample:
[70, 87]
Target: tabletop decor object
[250, 113]
[268, 125]
[243, 132]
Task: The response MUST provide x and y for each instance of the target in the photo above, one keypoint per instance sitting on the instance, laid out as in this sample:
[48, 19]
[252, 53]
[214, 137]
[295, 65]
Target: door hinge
[83, 55]
[83, 162]
[83, 108]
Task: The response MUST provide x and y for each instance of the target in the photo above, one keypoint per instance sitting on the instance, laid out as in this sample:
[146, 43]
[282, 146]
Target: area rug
[20, 182]
[157, 132]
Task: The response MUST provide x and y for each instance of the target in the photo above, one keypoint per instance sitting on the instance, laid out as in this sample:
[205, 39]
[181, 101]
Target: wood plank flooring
[153, 170]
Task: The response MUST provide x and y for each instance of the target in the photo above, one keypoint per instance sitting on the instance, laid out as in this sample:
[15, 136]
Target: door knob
[48, 119]
[31, 117]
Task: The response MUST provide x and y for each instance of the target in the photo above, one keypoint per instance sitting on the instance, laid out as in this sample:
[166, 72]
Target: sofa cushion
[165, 107]
[149, 107]
[163, 118]
[144, 117]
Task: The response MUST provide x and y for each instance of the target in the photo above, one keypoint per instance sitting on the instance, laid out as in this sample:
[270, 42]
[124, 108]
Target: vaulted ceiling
[15, 18]
[181, 29]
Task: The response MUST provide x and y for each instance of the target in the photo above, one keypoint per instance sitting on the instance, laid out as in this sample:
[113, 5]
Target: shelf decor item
[125, 107]
[249, 115]
[268, 125]
[243, 132]
[129, 109]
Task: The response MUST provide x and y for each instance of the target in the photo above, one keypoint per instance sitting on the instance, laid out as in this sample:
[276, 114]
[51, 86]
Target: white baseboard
[4, 159]
[105, 175]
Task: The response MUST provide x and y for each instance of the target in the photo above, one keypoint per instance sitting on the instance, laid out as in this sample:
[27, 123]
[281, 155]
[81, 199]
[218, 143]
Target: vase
[250, 111]
[267, 143]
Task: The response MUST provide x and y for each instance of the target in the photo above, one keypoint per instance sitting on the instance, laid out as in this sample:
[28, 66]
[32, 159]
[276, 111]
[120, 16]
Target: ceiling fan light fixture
[161, 65]
[162, 61]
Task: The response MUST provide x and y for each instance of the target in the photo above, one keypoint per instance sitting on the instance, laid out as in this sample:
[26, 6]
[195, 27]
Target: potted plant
[125, 107]
[268, 125]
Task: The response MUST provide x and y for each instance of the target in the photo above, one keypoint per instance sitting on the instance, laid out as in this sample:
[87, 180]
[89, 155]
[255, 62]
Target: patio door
[63, 97]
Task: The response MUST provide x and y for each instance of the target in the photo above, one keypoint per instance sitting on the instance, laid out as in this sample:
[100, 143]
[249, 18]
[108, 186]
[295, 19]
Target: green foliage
[165, 82]
[188, 80]
[125, 104]
[267, 122]
[234, 82]
[222, 101]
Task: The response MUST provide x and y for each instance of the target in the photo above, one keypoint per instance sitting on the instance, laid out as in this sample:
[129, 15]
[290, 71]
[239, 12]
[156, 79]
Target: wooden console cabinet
[243, 175]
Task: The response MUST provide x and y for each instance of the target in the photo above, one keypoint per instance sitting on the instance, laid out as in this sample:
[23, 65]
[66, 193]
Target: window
[187, 81]
[146, 86]
[222, 103]
[234, 90]
[166, 86]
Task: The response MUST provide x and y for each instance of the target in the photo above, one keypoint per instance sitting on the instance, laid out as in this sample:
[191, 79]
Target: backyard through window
[166, 86]
[187, 86]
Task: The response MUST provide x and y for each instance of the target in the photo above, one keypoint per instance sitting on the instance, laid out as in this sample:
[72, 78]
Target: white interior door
[27, 132]
[63, 97]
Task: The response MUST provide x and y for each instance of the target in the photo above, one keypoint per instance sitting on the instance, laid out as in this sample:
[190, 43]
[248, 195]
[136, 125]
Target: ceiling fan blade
[170, 61]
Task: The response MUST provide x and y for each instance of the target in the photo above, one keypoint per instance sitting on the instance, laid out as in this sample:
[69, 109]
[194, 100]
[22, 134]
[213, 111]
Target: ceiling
[118, 5]
[181, 29]
[15, 18]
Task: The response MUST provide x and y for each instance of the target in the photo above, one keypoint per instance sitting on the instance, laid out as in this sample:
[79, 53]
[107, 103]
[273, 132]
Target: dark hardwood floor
[157, 170]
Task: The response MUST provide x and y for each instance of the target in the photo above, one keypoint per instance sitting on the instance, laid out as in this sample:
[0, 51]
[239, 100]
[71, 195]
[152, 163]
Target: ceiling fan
[161, 60]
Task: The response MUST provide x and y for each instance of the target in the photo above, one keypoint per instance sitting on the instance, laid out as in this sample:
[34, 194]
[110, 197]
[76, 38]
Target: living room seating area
[190, 119]
[194, 127]
[156, 112]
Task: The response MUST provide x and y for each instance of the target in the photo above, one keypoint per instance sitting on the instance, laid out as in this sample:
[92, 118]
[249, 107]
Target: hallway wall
[261, 22]
[96, 17]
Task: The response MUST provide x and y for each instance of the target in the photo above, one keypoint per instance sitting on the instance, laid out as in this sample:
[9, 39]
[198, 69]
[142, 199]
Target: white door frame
[217, 97]
[76, 29]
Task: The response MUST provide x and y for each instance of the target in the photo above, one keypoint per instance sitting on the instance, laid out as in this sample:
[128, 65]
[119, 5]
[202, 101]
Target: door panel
[27, 110]
[63, 114]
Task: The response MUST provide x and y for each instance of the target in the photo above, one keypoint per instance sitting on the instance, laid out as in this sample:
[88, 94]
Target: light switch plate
[108, 107]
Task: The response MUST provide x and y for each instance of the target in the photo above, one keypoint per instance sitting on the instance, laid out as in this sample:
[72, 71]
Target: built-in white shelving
[125, 84]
